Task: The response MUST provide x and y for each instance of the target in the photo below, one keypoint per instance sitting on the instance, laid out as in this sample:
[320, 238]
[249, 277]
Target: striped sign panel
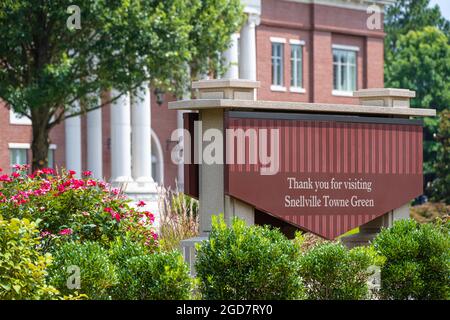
[333, 173]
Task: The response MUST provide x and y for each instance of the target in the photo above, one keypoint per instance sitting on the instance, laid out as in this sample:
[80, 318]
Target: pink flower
[45, 234]
[108, 209]
[65, 232]
[48, 171]
[149, 216]
[117, 217]
[46, 186]
[115, 191]
[141, 204]
[15, 174]
[87, 173]
[5, 178]
[91, 183]
[72, 172]
[76, 184]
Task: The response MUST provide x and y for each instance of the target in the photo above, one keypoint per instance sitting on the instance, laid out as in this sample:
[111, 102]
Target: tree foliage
[441, 185]
[417, 57]
[406, 15]
[45, 66]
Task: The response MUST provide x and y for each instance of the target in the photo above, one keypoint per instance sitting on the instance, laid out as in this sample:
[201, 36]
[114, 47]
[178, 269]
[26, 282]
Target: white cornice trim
[20, 145]
[15, 145]
[344, 47]
[252, 6]
[277, 40]
[296, 41]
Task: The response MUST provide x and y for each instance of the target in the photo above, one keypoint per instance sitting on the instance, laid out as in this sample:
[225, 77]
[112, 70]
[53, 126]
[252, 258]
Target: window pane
[344, 70]
[18, 156]
[50, 157]
[296, 66]
[353, 78]
[277, 64]
[335, 77]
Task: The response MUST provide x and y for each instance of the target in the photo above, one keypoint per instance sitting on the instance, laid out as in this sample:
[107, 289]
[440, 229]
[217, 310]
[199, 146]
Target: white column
[120, 138]
[73, 141]
[141, 143]
[94, 142]
[231, 57]
[247, 63]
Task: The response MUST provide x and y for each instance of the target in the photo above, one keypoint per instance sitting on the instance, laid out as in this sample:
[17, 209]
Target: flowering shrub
[71, 208]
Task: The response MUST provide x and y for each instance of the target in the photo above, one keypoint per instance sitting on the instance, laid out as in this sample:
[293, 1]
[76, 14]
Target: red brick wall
[164, 121]
[15, 133]
[320, 27]
[10, 134]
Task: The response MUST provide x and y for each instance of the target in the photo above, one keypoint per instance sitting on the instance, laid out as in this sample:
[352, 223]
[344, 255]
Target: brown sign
[334, 173]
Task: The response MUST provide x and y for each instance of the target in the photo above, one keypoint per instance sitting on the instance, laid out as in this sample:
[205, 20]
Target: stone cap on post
[237, 89]
[385, 97]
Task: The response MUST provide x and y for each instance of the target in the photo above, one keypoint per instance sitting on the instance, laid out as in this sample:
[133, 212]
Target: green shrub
[97, 273]
[148, 276]
[243, 262]
[417, 261]
[22, 265]
[332, 272]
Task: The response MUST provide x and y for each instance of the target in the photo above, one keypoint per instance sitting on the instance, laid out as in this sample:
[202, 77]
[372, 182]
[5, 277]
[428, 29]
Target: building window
[296, 66]
[344, 71]
[18, 156]
[277, 64]
[51, 158]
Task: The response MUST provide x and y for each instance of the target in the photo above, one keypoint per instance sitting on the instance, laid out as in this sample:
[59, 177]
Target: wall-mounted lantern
[159, 93]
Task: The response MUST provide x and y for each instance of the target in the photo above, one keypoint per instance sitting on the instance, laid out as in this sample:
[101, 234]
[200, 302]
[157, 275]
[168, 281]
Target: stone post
[212, 196]
[395, 98]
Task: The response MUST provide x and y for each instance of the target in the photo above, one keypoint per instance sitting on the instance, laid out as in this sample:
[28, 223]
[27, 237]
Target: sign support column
[385, 97]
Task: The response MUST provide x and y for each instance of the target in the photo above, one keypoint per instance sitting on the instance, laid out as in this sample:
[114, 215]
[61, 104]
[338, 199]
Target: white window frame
[301, 44]
[15, 118]
[279, 85]
[348, 66]
[27, 147]
[18, 146]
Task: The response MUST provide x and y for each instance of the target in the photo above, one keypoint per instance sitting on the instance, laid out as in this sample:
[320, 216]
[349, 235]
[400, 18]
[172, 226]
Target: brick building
[300, 50]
